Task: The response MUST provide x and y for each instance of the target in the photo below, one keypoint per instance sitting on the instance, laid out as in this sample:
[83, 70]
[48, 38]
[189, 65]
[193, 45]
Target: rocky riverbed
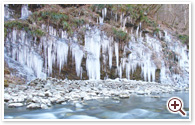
[41, 93]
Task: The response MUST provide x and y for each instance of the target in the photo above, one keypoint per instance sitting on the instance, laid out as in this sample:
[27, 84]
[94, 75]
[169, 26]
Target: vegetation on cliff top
[72, 17]
[23, 25]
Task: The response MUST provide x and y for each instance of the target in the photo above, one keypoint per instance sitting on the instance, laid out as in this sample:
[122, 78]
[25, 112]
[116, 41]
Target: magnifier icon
[175, 105]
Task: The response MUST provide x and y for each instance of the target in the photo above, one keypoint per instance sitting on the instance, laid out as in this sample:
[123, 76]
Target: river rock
[87, 97]
[21, 99]
[15, 105]
[34, 93]
[83, 94]
[116, 98]
[155, 96]
[15, 99]
[53, 100]
[60, 100]
[92, 93]
[43, 106]
[140, 92]
[33, 106]
[124, 95]
[14, 94]
[46, 101]
[49, 82]
[28, 101]
[75, 95]
[7, 97]
[38, 87]
[48, 94]
[78, 105]
[35, 99]
[41, 94]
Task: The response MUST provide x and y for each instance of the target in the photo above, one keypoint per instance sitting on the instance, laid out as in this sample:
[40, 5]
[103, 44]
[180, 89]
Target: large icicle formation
[101, 53]
[23, 49]
[145, 52]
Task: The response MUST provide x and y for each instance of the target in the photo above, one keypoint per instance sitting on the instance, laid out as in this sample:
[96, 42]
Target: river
[135, 107]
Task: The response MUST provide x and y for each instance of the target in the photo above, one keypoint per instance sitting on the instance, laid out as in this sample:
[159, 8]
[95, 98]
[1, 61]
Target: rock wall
[159, 57]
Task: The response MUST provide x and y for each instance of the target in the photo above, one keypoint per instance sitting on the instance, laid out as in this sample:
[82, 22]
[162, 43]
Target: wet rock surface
[43, 94]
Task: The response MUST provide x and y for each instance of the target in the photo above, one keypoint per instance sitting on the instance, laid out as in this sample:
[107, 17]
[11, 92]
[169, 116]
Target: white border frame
[92, 2]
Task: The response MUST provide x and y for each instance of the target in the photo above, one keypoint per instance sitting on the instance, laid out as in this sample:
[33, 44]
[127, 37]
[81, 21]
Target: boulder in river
[124, 95]
[43, 106]
[33, 106]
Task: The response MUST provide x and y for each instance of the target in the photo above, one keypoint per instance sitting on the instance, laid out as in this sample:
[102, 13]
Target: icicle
[97, 20]
[183, 60]
[49, 57]
[62, 53]
[162, 73]
[128, 70]
[137, 31]
[160, 36]
[101, 20]
[116, 17]
[77, 54]
[92, 46]
[153, 71]
[51, 30]
[167, 37]
[105, 12]
[110, 57]
[116, 53]
[24, 11]
[140, 25]
[120, 71]
[105, 49]
[6, 11]
[124, 23]
[64, 35]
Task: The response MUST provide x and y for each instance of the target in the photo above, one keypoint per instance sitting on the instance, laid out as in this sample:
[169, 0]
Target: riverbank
[44, 94]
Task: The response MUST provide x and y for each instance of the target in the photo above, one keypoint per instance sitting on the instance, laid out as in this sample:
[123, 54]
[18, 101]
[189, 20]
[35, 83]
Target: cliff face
[98, 42]
[175, 16]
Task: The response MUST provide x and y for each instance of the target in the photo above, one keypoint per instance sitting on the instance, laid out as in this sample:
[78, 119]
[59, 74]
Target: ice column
[62, 53]
[77, 53]
[110, 57]
[92, 46]
[116, 53]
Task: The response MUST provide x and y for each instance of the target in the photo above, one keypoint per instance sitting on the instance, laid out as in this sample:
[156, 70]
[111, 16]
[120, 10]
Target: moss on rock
[23, 25]
[6, 83]
[120, 35]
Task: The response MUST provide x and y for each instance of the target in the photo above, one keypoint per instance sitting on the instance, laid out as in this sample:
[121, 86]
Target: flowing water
[136, 107]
